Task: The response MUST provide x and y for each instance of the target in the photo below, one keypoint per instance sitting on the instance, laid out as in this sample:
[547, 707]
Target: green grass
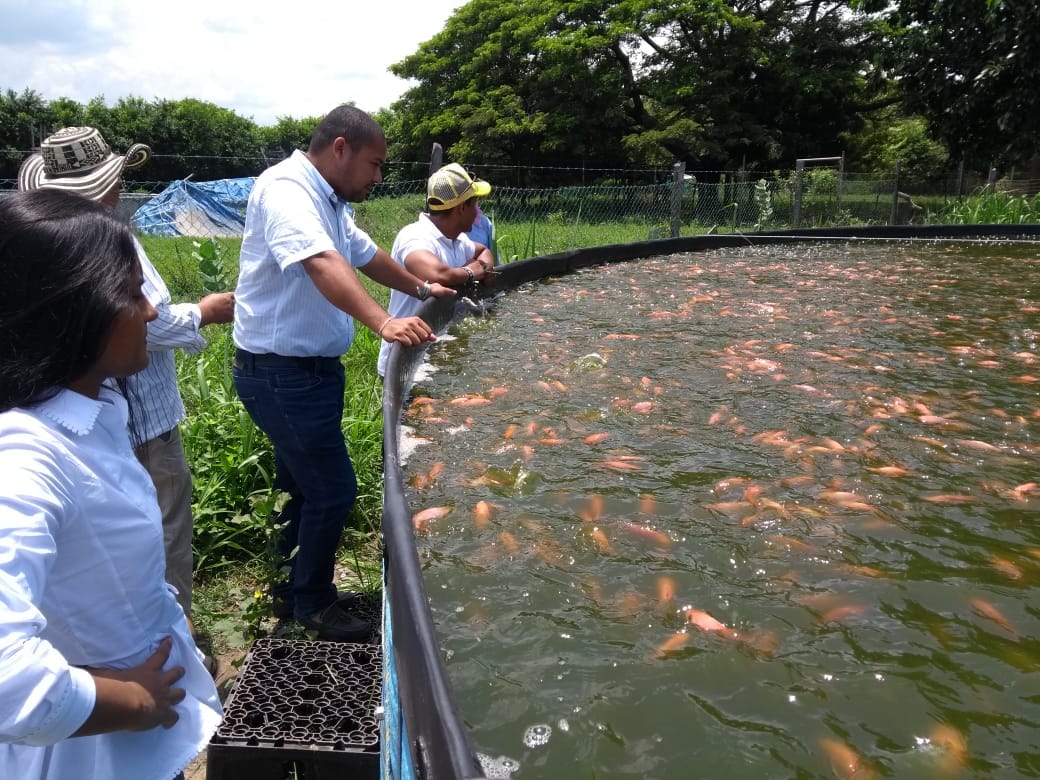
[992, 208]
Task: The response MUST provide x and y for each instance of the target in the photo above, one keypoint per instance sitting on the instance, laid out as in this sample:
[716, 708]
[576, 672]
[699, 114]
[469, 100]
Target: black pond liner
[439, 746]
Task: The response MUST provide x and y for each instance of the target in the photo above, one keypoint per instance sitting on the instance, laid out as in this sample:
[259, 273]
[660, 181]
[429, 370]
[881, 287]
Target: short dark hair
[66, 263]
[352, 124]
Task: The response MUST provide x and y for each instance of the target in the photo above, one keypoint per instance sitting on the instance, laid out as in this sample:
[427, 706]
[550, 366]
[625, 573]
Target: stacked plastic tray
[301, 709]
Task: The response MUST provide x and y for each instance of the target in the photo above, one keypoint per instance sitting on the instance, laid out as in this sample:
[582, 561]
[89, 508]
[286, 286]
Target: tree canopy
[188, 137]
[971, 68]
[718, 84]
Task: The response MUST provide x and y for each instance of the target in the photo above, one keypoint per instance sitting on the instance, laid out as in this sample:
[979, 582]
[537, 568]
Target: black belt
[248, 360]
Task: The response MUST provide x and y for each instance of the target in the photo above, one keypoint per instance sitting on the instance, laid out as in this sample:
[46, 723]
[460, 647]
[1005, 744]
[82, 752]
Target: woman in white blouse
[99, 675]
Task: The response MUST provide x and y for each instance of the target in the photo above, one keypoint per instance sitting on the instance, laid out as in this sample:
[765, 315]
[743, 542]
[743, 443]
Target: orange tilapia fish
[422, 518]
[846, 763]
[987, 610]
[618, 465]
[1008, 568]
[719, 415]
[665, 589]
[950, 499]
[810, 390]
[955, 749]
[470, 400]
[889, 471]
[601, 540]
[657, 537]
[841, 613]
[705, 622]
[723, 485]
[509, 542]
[647, 504]
[593, 511]
[671, 644]
[596, 438]
[975, 444]
[482, 513]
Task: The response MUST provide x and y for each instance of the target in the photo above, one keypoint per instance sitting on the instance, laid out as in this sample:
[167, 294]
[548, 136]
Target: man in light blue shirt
[297, 299]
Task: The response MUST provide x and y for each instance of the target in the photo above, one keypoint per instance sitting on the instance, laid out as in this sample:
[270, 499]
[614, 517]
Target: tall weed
[993, 208]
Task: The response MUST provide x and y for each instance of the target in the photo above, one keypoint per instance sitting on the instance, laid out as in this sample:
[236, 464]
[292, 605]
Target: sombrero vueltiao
[77, 159]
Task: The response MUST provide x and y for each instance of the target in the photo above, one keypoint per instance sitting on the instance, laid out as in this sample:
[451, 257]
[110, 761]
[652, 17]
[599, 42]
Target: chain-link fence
[617, 207]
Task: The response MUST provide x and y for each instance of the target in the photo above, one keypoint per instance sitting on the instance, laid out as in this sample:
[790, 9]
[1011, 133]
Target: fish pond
[754, 513]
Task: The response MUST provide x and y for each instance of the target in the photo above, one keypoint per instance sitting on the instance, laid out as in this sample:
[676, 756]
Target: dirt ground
[196, 770]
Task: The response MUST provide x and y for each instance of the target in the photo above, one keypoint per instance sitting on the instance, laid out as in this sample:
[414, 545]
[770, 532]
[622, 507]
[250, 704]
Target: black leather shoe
[347, 599]
[334, 624]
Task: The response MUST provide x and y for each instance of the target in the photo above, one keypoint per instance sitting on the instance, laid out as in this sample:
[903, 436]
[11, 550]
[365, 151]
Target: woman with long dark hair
[99, 675]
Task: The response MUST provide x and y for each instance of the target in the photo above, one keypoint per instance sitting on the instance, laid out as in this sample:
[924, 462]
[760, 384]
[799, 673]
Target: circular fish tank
[744, 506]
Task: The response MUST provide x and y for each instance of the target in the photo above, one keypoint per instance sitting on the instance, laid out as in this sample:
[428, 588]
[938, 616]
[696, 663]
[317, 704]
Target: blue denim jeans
[298, 403]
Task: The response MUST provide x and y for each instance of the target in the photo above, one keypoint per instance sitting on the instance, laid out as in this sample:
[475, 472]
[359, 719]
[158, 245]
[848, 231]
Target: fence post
[992, 181]
[841, 180]
[436, 157]
[796, 209]
[895, 196]
[678, 174]
[960, 178]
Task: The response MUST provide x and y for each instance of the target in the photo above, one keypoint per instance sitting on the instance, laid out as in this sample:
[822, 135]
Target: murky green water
[760, 513]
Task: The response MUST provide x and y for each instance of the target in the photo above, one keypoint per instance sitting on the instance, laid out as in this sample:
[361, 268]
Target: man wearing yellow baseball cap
[436, 248]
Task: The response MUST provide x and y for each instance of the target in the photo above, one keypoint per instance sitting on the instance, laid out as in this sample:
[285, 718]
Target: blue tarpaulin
[188, 208]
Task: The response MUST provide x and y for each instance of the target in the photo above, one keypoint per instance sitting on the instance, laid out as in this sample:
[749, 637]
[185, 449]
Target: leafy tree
[514, 82]
[639, 82]
[891, 138]
[971, 67]
[23, 122]
[286, 135]
[197, 138]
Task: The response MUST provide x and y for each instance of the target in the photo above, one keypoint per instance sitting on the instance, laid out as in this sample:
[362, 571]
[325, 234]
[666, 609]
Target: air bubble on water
[501, 768]
[565, 636]
[460, 608]
[828, 677]
[563, 725]
[792, 699]
[537, 735]
[879, 677]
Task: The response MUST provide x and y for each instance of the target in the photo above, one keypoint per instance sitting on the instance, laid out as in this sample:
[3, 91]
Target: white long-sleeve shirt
[81, 585]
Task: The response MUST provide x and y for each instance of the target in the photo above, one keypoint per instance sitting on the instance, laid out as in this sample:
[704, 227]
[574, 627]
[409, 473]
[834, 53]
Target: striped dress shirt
[158, 407]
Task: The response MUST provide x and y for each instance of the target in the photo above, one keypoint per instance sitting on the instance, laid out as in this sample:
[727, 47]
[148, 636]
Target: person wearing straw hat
[436, 246]
[79, 160]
